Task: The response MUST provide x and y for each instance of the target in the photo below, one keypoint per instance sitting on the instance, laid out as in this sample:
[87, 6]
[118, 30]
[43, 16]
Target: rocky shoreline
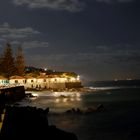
[30, 122]
[83, 89]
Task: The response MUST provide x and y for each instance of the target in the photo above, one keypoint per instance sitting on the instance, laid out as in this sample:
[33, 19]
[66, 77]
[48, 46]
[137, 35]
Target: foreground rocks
[88, 110]
[30, 122]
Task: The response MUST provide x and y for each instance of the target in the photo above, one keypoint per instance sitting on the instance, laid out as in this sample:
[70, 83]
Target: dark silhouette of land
[30, 122]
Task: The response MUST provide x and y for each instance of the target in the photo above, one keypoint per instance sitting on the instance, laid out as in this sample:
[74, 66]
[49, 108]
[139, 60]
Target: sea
[118, 120]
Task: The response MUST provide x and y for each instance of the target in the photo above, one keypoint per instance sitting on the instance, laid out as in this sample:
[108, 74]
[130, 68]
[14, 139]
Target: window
[32, 81]
[16, 81]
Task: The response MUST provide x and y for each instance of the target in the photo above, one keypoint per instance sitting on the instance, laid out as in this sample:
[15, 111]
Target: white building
[45, 82]
[17, 80]
[41, 82]
[3, 81]
[30, 82]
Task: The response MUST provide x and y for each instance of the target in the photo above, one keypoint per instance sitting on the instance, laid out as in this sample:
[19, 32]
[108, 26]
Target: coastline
[83, 89]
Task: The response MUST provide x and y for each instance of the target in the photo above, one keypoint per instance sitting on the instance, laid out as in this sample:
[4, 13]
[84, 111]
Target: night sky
[98, 39]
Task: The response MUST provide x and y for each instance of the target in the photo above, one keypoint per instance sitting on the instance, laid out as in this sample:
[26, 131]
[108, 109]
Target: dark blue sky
[99, 39]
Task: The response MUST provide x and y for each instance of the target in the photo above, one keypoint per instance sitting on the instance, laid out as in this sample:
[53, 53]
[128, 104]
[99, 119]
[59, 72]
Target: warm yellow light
[65, 100]
[57, 100]
[78, 77]
[71, 99]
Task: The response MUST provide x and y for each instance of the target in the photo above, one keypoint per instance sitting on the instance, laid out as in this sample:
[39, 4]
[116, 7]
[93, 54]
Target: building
[30, 82]
[17, 80]
[3, 81]
[42, 82]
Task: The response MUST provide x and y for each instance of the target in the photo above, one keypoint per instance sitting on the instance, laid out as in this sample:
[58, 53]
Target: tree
[0, 65]
[20, 64]
[7, 62]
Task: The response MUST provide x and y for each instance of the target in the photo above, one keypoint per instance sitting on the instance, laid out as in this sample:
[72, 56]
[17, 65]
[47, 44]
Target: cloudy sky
[98, 39]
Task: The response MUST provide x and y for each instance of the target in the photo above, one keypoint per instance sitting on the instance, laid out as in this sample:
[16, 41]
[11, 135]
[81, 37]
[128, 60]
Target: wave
[112, 87]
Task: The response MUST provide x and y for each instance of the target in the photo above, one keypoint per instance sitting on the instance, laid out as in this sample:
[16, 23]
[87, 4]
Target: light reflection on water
[120, 119]
[56, 101]
[62, 101]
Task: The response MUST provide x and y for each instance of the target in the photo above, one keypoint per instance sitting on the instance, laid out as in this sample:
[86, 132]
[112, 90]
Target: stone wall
[13, 93]
[73, 85]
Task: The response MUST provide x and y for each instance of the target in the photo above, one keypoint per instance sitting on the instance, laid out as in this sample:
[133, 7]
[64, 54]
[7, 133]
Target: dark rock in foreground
[30, 122]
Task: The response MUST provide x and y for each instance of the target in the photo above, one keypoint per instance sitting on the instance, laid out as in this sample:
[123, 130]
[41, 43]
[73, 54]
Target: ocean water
[120, 120]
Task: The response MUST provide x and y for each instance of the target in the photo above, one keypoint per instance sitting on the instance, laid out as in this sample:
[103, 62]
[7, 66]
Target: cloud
[68, 5]
[112, 1]
[125, 0]
[2, 40]
[121, 54]
[30, 44]
[102, 54]
[117, 49]
[8, 32]
[110, 62]
[20, 36]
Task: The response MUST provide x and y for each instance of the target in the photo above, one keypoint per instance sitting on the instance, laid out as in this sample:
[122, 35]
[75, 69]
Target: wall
[13, 93]
[73, 84]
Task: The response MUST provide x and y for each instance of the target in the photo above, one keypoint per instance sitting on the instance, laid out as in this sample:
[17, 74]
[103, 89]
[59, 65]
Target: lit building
[45, 81]
[3, 81]
[17, 80]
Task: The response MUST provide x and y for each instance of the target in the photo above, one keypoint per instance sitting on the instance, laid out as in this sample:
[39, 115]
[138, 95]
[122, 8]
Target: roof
[28, 77]
[16, 77]
[2, 77]
[41, 77]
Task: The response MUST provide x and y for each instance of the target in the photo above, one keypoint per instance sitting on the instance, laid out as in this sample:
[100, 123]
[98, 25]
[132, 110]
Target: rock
[30, 122]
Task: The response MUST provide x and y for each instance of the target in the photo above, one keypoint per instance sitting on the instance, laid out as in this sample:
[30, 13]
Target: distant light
[128, 79]
[78, 77]
[45, 69]
[115, 79]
